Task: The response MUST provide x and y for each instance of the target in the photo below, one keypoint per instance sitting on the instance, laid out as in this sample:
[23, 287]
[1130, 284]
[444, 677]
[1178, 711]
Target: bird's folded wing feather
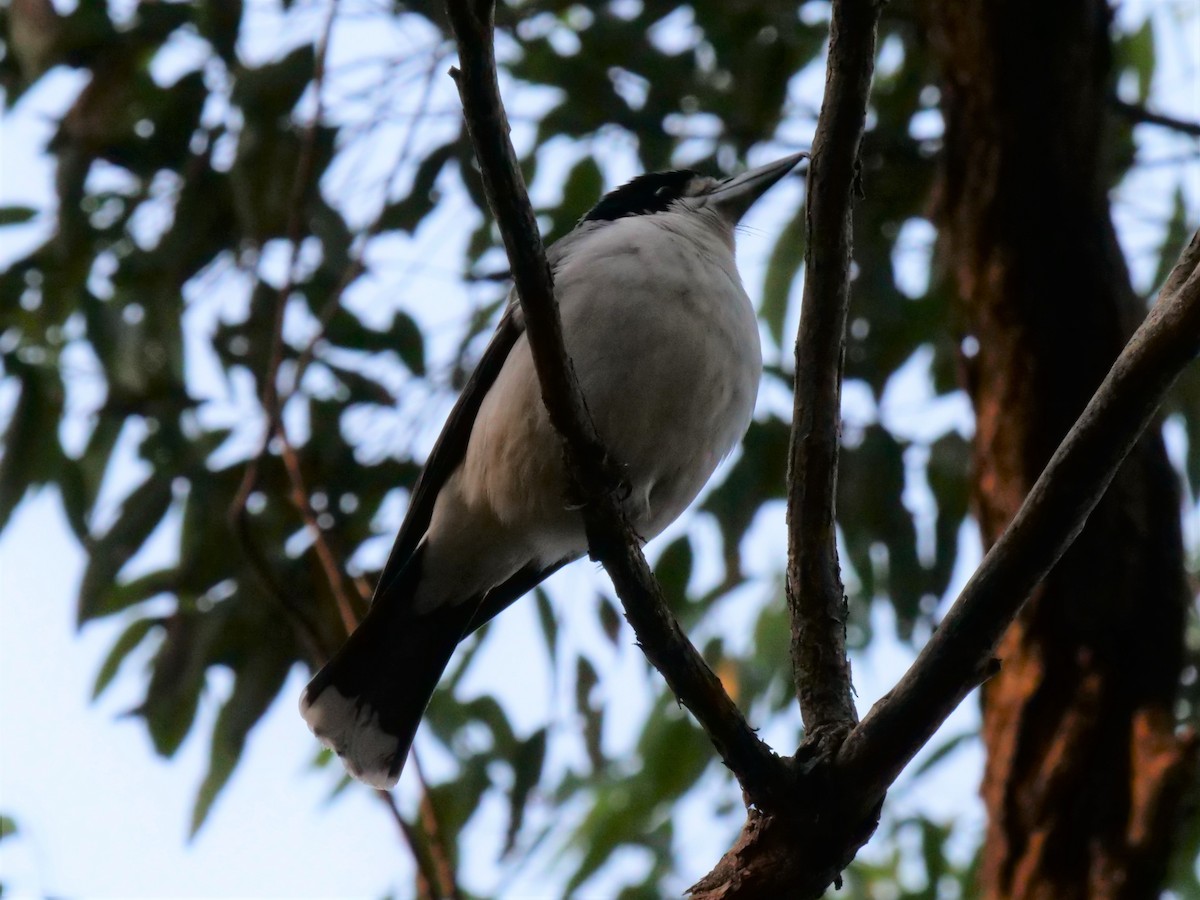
[451, 445]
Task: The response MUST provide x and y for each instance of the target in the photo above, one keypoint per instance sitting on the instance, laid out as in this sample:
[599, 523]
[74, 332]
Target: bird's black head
[646, 194]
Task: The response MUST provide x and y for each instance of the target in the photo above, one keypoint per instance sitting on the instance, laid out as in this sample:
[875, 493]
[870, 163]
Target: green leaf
[403, 338]
[948, 476]
[410, 210]
[787, 256]
[1175, 238]
[673, 754]
[258, 684]
[674, 751]
[219, 22]
[1184, 399]
[527, 771]
[140, 514]
[30, 451]
[944, 750]
[8, 827]
[614, 819]
[673, 571]
[547, 623]
[273, 90]
[454, 802]
[121, 648]
[586, 680]
[758, 476]
[768, 667]
[447, 717]
[872, 516]
[15, 215]
[611, 618]
[406, 339]
[1137, 52]
[584, 185]
[178, 676]
[30, 455]
[362, 388]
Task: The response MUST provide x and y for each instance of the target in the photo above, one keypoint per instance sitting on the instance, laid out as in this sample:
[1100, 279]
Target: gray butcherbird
[665, 343]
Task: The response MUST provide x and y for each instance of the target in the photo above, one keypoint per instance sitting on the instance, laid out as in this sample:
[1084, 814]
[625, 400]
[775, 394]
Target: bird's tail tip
[351, 728]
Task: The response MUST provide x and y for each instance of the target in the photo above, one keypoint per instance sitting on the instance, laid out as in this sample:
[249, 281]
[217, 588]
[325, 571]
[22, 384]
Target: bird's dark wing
[503, 595]
[451, 445]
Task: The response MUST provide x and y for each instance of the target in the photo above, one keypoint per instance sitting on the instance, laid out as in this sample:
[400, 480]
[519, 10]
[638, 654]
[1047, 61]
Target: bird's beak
[734, 196]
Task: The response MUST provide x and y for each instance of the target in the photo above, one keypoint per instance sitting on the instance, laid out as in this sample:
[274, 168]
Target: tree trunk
[1084, 771]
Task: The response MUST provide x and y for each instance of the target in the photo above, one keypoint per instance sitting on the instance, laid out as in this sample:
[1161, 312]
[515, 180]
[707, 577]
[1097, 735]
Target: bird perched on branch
[665, 345]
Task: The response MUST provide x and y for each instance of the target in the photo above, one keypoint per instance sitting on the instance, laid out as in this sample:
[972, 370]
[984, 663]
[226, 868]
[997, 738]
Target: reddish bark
[1084, 768]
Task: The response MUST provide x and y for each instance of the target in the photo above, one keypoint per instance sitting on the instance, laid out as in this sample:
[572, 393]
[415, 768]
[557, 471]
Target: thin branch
[427, 876]
[329, 560]
[816, 597]
[270, 399]
[296, 205]
[1049, 520]
[1138, 113]
[357, 264]
[439, 852]
[610, 539]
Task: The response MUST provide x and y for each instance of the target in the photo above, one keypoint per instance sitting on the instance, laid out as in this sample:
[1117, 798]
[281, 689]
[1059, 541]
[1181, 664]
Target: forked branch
[1045, 526]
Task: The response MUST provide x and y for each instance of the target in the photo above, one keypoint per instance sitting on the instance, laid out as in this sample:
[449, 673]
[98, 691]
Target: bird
[665, 343]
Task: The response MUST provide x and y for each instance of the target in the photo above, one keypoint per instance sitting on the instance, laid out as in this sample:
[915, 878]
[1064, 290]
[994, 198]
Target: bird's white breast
[665, 343]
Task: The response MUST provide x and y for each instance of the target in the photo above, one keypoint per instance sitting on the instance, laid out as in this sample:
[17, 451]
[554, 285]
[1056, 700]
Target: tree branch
[439, 851]
[315, 643]
[816, 598]
[610, 538]
[1138, 113]
[329, 560]
[802, 853]
[428, 885]
[1051, 517]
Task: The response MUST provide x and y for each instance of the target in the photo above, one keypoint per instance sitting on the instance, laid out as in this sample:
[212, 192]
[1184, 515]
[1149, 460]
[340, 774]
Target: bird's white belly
[666, 347]
[665, 344]
[671, 389]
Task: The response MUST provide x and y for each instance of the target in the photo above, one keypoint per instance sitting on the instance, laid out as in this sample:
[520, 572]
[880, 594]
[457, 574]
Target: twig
[1138, 113]
[270, 392]
[427, 879]
[1049, 520]
[436, 881]
[300, 498]
[296, 205]
[329, 560]
[816, 598]
[357, 264]
[430, 821]
[610, 539]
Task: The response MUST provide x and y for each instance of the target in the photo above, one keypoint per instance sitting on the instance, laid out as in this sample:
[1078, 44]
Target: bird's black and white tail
[367, 702]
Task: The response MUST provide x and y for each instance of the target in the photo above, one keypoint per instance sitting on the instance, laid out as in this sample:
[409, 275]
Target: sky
[100, 815]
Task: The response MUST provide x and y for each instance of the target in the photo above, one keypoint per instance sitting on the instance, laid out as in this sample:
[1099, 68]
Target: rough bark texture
[1084, 768]
[815, 595]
